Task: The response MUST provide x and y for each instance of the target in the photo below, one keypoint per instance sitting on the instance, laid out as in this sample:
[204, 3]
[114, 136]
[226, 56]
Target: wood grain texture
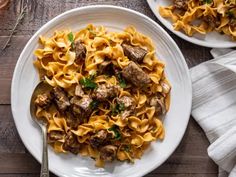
[189, 159]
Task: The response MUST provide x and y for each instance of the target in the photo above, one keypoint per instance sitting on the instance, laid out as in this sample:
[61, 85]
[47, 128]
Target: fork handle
[44, 167]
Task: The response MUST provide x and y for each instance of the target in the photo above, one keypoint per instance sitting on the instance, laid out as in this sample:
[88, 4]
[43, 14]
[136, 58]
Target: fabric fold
[214, 107]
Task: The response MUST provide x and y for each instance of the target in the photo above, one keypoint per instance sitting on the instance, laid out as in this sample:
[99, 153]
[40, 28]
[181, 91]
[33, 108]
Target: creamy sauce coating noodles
[109, 93]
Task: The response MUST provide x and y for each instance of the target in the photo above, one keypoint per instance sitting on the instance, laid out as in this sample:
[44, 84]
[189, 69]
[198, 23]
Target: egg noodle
[131, 134]
[202, 16]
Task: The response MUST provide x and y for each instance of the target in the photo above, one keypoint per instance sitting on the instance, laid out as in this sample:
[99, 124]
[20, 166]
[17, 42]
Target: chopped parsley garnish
[116, 131]
[207, 1]
[118, 108]
[94, 104]
[230, 14]
[88, 83]
[71, 39]
[127, 147]
[121, 81]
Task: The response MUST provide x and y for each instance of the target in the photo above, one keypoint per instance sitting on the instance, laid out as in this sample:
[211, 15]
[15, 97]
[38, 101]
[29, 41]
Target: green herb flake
[94, 104]
[207, 1]
[118, 108]
[121, 107]
[230, 14]
[71, 39]
[88, 83]
[116, 131]
[121, 81]
[127, 148]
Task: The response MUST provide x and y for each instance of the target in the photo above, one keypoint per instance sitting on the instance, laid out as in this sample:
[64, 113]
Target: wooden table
[190, 158]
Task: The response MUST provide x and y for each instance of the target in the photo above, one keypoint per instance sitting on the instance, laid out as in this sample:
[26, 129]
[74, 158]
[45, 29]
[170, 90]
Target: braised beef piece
[129, 105]
[127, 101]
[105, 67]
[55, 136]
[80, 52]
[61, 99]
[136, 75]
[158, 103]
[71, 143]
[76, 110]
[85, 102]
[98, 139]
[211, 21]
[73, 119]
[79, 91]
[133, 52]
[108, 153]
[82, 106]
[43, 100]
[126, 113]
[181, 4]
[232, 23]
[105, 91]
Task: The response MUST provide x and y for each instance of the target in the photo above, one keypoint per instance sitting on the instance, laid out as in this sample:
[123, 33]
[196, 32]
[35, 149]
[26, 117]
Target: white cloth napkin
[214, 107]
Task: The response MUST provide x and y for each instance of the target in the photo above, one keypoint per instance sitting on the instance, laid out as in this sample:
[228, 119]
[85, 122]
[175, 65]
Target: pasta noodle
[202, 16]
[93, 108]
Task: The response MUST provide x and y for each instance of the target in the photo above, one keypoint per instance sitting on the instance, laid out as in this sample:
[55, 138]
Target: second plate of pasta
[209, 23]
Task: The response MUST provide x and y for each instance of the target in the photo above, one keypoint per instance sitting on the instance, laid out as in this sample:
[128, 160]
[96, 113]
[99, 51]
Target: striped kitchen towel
[214, 107]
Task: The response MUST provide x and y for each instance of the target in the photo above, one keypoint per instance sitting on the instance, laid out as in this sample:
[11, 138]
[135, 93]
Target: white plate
[213, 39]
[116, 18]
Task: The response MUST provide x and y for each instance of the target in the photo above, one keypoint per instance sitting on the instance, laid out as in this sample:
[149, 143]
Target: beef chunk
[181, 4]
[232, 23]
[79, 91]
[108, 153]
[134, 53]
[105, 91]
[71, 143]
[43, 100]
[129, 105]
[85, 102]
[80, 52]
[60, 98]
[55, 136]
[76, 110]
[98, 139]
[73, 118]
[127, 101]
[211, 21]
[82, 103]
[136, 75]
[159, 105]
[106, 67]
[126, 113]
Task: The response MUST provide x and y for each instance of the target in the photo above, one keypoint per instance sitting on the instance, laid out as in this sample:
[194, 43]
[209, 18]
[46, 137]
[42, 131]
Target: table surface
[190, 158]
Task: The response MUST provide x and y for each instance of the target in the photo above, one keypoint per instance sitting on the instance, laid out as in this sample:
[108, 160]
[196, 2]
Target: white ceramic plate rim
[193, 40]
[21, 61]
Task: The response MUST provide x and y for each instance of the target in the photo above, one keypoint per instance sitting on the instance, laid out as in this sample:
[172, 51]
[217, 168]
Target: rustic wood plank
[43, 12]
[149, 175]
[181, 175]
[9, 139]
[25, 163]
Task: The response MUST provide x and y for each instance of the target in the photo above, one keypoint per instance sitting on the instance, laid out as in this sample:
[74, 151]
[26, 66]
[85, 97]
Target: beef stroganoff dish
[109, 93]
[202, 16]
